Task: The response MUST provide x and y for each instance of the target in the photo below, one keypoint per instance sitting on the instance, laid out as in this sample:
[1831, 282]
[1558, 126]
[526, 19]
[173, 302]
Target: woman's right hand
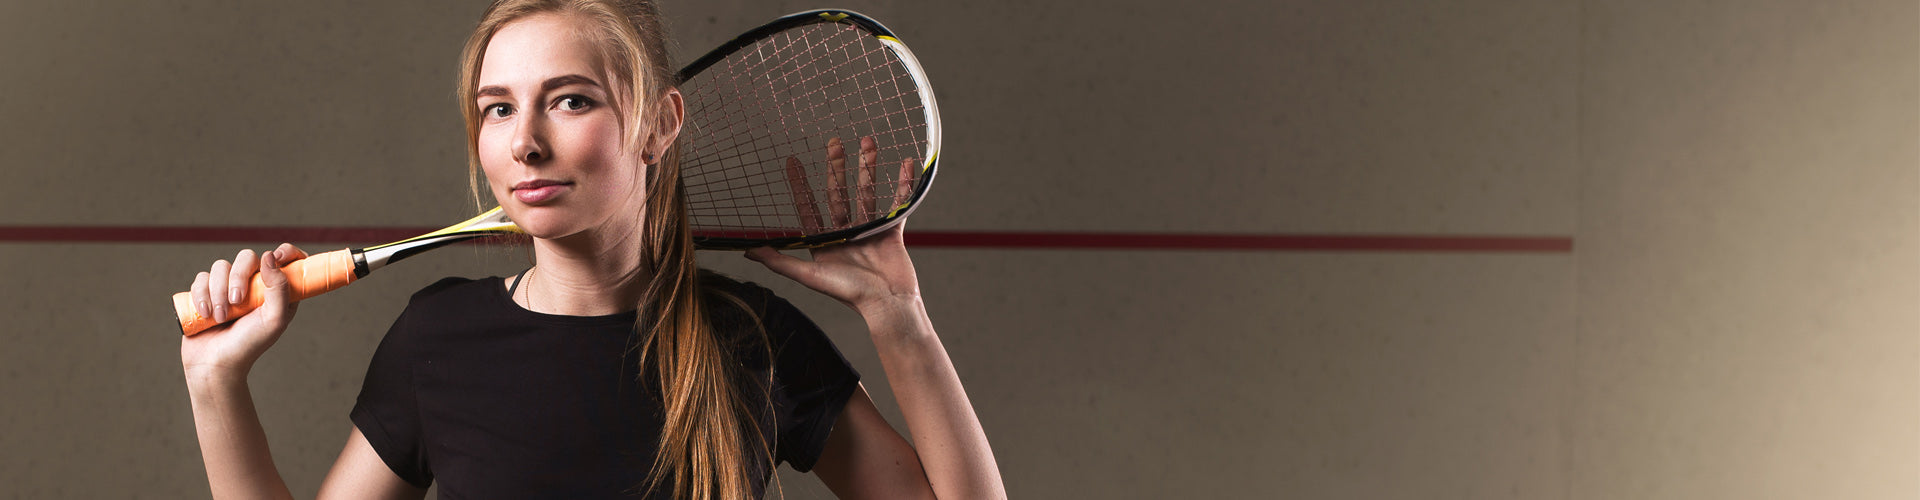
[229, 350]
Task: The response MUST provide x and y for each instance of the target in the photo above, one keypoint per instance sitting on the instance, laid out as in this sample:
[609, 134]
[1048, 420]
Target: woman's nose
[529, 145]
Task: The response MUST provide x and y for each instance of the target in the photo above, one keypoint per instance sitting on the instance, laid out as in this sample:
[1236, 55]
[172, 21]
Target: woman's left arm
[864, 457]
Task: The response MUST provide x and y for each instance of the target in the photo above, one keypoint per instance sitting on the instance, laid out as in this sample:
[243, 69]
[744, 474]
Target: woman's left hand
[869, 274]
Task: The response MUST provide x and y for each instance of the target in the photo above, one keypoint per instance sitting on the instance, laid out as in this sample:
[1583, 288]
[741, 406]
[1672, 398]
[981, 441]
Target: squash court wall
[1739, 316]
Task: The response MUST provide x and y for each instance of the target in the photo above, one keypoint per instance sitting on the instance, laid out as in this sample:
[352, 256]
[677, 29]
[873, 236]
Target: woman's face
[550, 140]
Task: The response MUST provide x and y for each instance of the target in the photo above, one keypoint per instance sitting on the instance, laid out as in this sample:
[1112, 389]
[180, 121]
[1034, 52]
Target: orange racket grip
[314, 275]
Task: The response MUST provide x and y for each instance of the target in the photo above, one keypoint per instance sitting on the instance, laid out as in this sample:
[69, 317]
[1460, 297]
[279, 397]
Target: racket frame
[922, 87]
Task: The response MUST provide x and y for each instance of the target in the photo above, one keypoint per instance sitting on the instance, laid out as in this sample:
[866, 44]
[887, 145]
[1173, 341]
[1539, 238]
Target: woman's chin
[551, 233]
[542, 226]
[550, 223]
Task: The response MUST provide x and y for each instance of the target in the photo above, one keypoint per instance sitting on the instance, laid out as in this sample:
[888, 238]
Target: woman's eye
[574, 103]
[498, 111]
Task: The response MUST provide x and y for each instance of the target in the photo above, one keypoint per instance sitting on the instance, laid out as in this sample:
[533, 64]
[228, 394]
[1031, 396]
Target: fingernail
[233, 294]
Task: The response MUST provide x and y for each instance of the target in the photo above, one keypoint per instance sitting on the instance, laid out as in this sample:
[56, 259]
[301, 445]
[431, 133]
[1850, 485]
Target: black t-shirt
[494, 401]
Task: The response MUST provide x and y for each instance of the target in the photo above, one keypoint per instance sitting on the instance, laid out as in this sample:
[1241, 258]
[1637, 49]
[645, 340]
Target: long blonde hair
[703, 444]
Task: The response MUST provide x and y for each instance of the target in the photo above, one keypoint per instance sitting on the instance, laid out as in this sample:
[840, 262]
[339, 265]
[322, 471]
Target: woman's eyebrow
[550, 84]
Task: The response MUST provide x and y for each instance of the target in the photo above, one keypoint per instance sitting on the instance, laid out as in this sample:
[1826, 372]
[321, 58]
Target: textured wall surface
[1749, 252]
[1739, 318]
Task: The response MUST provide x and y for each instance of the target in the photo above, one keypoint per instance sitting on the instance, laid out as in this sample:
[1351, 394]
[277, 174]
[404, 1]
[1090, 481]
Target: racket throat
[373, 258]
[360, 265]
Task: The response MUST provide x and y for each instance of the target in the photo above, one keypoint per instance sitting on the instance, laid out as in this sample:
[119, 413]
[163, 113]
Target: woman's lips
[537, 192]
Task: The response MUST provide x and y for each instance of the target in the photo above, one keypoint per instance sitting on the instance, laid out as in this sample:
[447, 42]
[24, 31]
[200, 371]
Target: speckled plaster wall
[1749, 263]
[1740, 317]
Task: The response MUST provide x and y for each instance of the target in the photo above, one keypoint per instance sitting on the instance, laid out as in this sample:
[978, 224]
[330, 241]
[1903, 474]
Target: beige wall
[1740, 318]
[1749, 264]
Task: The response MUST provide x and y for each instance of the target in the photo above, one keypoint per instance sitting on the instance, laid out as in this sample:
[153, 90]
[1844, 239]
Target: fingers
[245, 264]
[199, 293]
[903, 188]
[837, 182]
[217, 290]
[844, 204]
[869, 205]
[225, 284]
[803, 197]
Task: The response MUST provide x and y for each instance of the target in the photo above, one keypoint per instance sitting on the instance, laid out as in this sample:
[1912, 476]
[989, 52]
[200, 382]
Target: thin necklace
[529, 286]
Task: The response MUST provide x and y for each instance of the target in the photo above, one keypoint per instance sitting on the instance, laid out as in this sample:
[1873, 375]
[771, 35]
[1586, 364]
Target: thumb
[275, 291]
[786, 265]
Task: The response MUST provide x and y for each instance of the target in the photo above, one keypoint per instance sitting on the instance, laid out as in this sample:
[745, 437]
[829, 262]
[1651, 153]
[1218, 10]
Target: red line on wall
[206, 234]
[916, 238]
[1268, 242]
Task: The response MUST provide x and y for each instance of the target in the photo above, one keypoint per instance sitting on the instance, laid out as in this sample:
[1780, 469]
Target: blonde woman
[613, 367]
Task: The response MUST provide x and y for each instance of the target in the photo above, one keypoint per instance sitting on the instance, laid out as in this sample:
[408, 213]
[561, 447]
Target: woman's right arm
[217, 361]
[232, 443]
[360, 473]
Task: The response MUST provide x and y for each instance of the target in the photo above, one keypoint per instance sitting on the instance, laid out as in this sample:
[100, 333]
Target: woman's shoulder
[728, 299]
[764, 329]
[455, 295]
[731, 301]
[452, 287]
[444, 307]
[714, 283]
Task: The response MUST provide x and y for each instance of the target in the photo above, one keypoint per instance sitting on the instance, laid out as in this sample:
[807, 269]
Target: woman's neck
[585, 274]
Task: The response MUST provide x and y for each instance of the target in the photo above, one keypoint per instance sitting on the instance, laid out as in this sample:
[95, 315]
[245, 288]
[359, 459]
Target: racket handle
[314, 275]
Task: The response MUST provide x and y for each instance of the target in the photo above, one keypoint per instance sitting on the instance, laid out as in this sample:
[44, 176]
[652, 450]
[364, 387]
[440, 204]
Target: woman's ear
[672, 113]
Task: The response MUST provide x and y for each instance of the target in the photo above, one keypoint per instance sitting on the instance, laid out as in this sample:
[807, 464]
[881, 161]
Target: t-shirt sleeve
[386, 412]
[812, 382]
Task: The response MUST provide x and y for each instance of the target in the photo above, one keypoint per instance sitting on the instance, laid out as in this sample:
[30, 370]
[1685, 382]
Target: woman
[613, 366]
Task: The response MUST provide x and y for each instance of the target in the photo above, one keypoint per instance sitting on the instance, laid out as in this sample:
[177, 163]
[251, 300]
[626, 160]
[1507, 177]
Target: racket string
[763, 109]
[738, 72]
[762, 142]
[782, 99]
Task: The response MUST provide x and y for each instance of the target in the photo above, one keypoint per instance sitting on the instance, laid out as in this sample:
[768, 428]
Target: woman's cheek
[493, 156]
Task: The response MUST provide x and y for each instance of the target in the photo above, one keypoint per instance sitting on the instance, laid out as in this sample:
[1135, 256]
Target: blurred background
[1733, 310]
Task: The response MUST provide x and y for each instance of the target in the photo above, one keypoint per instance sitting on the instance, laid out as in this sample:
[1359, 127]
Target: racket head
[779, 94]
